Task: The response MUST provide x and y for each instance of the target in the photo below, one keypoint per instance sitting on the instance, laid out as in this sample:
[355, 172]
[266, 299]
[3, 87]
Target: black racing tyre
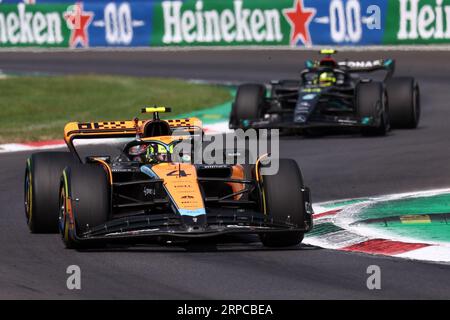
[404, 102]
[42, 178]
[370, 100]
[248, 104]
[86, 189]
[284, 203]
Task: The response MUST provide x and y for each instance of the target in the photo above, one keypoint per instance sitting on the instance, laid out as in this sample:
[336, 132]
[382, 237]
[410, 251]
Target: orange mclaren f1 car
[121, 182]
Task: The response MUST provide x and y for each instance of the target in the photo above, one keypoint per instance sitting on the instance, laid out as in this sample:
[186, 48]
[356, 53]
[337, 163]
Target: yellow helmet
[158, 153]
[327, 78]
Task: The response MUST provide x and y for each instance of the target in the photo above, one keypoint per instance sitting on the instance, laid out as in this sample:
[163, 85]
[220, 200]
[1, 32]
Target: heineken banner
[156, 23]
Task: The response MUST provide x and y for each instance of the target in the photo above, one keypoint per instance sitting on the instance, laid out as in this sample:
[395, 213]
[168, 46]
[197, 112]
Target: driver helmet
[138, 152]
[156, 154]
[327, 78]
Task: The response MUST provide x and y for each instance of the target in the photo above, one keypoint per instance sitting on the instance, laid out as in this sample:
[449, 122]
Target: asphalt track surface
[339, 166]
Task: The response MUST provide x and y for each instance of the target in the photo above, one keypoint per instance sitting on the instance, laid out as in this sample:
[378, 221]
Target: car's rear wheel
[372, 107]
[284, 203]
[248, 104]
[84, 201]
[42, 177]
[404, 102]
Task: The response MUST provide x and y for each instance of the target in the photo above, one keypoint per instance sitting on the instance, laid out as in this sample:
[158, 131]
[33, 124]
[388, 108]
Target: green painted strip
[407, 219]
[408, 206]
[439, 232]
[421, 218]
[322, 229]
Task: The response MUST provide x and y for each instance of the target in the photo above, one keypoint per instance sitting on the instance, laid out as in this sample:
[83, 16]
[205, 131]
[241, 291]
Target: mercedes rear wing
[369, 66]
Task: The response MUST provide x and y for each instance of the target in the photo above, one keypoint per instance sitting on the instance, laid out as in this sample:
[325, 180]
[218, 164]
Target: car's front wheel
[283, 202]
[84, 201]
[248, 105]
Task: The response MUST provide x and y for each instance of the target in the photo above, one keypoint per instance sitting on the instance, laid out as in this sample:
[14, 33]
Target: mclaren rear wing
[122, 129]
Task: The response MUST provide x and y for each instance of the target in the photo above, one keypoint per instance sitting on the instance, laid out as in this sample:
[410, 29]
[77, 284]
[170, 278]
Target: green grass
[37, 108]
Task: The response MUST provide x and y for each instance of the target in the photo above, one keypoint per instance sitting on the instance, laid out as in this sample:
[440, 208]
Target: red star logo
[299, 18]
[78, 21]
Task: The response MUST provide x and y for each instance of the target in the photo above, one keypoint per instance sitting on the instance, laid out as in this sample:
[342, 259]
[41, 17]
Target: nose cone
[194, 223]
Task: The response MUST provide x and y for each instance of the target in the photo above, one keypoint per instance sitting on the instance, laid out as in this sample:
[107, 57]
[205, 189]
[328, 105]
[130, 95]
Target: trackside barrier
[159, 23]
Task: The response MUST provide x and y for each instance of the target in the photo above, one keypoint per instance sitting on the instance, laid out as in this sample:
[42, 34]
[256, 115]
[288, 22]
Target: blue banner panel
[346, 22]
[120, 23]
